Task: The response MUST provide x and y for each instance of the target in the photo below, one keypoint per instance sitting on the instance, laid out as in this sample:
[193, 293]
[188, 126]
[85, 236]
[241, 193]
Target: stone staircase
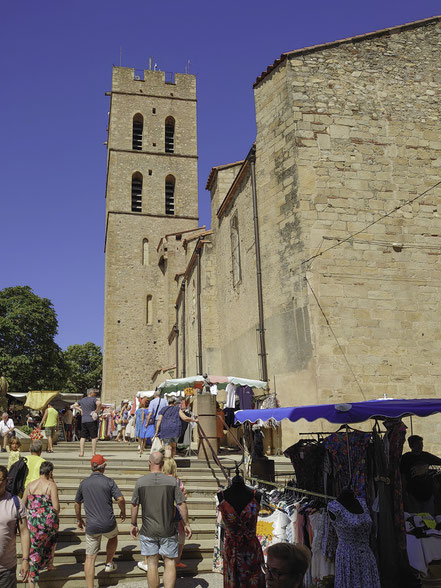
[125, 467]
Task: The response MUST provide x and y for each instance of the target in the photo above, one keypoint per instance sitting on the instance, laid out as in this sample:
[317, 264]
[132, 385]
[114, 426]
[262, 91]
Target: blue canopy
[355, 412]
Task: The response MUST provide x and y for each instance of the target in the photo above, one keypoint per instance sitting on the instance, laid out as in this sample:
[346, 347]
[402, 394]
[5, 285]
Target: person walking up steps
[89, 407]
[96, 492]
[50, 422]
[158, 495]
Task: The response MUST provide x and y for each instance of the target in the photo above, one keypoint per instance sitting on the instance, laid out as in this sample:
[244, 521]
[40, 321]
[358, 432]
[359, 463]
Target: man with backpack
[12, 517]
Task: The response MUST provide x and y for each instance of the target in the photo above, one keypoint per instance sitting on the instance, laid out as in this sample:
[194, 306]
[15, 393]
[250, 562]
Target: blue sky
[56, 64]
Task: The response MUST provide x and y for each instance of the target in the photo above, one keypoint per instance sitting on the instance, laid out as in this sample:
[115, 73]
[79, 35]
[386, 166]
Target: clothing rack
[293, 488]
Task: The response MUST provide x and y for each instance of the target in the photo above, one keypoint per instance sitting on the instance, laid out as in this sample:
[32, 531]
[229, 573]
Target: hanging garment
[246, 395]
[355, 565]
[337, 446]
[321, 566]
[272, 528]
[43, 529]
[243, 555]
[218, 561]
[395, 437]
[231, 396]
[308, 461]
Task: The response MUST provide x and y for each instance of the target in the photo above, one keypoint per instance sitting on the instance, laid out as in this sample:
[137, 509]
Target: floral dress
[243, 555]
[355, 565]
[43, 528]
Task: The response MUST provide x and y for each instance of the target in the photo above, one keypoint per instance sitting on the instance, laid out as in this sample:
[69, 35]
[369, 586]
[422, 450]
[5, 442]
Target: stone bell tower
[151, 191]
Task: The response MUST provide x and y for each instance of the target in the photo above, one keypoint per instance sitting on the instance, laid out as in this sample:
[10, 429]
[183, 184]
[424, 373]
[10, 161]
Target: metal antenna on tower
[150, 63]
[188, 66]
[120, 55]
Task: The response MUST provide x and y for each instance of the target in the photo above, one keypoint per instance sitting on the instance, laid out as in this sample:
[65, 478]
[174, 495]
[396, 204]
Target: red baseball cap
[97, 460]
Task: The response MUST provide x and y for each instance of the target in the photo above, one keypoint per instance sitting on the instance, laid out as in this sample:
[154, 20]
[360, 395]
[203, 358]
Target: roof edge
[354, 39]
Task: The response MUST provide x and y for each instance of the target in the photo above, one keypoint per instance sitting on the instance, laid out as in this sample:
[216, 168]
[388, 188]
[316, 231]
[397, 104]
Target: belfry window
[169, 134]
[170, 195]
[235, 250]
[138, 125]
[137, 192]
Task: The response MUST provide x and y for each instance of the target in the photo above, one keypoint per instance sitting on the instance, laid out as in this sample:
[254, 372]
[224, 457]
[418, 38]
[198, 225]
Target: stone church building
[321, 271]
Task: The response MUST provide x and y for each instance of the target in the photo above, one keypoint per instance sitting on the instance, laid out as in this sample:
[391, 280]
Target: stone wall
[345, 134]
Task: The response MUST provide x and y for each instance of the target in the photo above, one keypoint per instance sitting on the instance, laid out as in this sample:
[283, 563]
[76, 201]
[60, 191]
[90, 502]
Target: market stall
[406, 544]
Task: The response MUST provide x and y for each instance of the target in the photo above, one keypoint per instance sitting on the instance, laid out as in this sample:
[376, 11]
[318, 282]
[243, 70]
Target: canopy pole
[349, 455]
[411, 425]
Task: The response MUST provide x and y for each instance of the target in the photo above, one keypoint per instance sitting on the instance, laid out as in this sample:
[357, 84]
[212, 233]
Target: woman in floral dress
[41, 499]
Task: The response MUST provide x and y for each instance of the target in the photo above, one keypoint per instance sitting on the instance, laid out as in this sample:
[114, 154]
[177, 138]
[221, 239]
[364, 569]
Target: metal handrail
[215, 457]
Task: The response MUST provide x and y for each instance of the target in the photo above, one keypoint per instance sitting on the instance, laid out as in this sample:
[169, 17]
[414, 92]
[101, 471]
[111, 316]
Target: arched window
[170, 195]
[145, 252]
[137, 192]
[235, 250]
[169, 134]
[149, 310]
[138, 125]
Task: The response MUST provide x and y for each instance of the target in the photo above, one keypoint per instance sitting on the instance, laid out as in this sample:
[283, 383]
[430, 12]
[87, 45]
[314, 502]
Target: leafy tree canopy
[29, 356]
[84, 365]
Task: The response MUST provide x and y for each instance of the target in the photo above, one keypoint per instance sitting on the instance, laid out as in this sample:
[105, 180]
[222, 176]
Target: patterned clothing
[243, 555]
[355, 565]
[395, 436]
[43, 528]
[308, 459]
[337, 446]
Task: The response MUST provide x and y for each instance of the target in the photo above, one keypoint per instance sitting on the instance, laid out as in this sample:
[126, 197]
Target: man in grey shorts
[159, 495]
[96, 492]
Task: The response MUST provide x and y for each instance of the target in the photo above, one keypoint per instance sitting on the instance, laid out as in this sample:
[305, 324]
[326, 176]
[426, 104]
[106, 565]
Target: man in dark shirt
[89, 406]
[159, 495]
[414, 466]
[96, 492]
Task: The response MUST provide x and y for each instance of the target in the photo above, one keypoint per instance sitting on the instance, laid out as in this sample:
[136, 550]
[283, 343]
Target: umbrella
[220, 381]
[356, 412]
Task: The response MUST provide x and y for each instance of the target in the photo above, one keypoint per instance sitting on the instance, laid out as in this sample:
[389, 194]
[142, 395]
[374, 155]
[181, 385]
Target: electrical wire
[411, 201]
[335, 337]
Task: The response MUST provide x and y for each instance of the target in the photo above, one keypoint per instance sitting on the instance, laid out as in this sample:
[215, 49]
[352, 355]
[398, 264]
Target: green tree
[84, 366]
[29, 356]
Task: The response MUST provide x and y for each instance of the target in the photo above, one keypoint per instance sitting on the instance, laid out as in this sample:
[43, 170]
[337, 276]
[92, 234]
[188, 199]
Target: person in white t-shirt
[6, 428]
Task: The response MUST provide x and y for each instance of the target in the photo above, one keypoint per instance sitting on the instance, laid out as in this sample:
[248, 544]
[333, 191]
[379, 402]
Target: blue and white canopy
[355, 412]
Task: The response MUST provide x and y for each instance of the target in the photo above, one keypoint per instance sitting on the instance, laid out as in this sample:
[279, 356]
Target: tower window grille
[137, 192]
[169, 134]
[138, 125]
[169, 195]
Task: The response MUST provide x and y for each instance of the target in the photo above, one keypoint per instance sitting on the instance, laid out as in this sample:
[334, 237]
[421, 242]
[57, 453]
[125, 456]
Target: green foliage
[26, 430]
[84, 365]
[29, 356]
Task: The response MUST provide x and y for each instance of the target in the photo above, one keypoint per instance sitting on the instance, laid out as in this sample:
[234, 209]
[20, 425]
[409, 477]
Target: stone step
[71, 575]
[202, 491]
[67, 515]
[65, 477]
[75, 549]
[68, 531]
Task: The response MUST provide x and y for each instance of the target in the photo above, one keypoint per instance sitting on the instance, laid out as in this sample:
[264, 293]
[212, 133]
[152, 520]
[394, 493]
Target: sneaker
[110, 567]
[3, 450]
[181, 565]
[142, 566]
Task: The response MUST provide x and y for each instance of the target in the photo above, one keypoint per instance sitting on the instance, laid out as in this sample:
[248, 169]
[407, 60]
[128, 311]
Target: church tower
[151, 191]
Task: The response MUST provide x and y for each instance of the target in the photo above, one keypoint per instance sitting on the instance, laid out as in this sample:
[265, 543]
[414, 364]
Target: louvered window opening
[136, 195]
[169, 138]
[137, 135]
[169, 198]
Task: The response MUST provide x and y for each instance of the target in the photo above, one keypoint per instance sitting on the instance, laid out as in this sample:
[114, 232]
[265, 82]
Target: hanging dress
[355, 564]
[43, 529]
[243, 555]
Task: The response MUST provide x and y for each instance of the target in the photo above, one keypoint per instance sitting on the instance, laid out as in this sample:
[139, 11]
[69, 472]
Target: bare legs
[89, 570]
[112, 544]
[169, 577]
[152, 571]
[83, 444]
